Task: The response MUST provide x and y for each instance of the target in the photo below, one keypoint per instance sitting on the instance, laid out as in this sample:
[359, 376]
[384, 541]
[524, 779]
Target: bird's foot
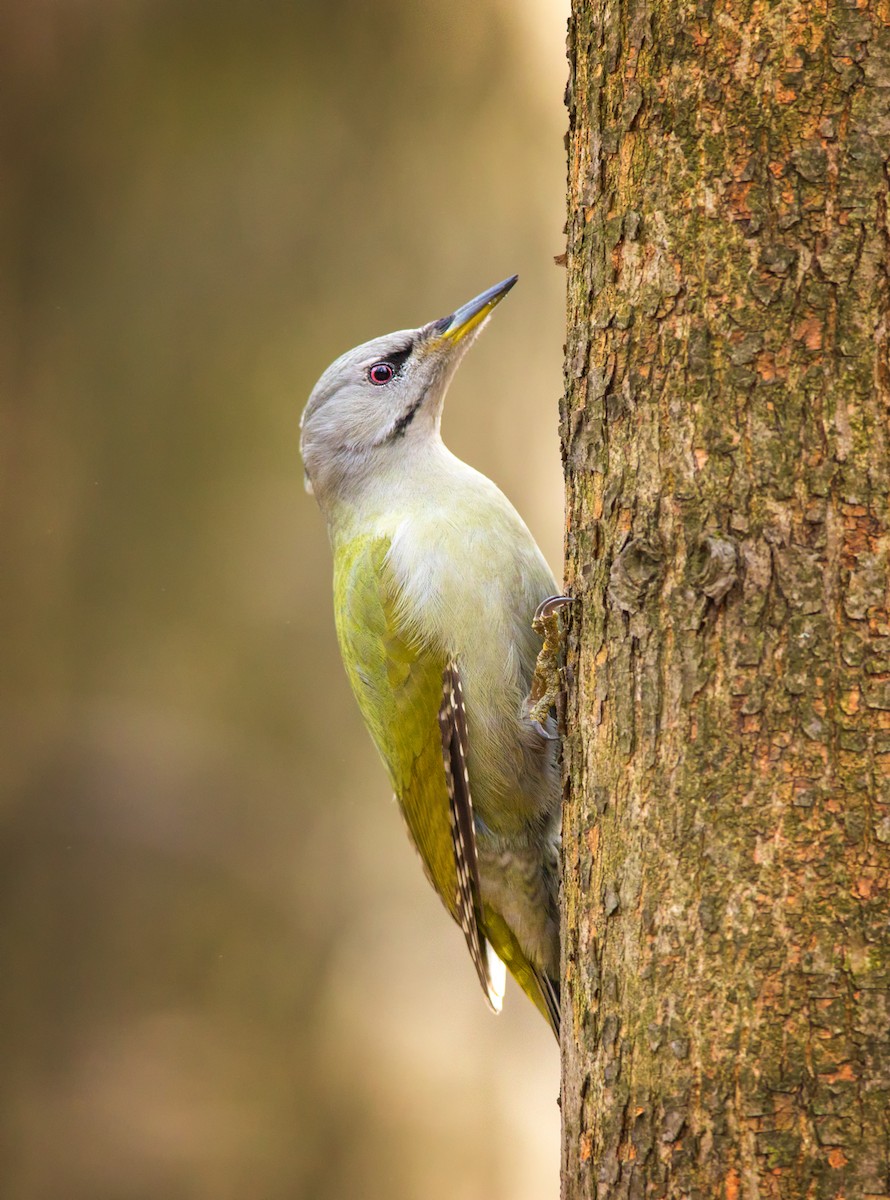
[547, 682]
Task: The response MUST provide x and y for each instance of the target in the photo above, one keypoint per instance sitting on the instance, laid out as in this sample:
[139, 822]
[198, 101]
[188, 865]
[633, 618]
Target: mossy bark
[725, 433]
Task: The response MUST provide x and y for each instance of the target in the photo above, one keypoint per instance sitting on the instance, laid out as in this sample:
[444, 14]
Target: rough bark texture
[725, 431]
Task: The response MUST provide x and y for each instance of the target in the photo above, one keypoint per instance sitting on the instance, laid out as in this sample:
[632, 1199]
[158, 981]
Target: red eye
[381, 372]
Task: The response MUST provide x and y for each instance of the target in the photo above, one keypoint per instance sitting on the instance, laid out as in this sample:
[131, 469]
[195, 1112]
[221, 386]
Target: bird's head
[382, 398]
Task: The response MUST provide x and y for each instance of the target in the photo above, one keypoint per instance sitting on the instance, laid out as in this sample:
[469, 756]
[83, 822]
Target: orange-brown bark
[725, 432]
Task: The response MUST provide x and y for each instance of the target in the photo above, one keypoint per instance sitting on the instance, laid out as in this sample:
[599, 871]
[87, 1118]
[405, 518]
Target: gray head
[382, 399]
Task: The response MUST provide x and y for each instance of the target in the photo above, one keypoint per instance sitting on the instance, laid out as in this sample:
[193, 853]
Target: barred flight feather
[453, 726]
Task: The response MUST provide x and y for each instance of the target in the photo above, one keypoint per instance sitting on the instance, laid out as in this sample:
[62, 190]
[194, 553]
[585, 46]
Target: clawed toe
[552, 605]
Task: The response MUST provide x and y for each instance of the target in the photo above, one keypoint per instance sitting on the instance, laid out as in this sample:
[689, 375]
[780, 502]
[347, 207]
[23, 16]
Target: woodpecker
[437, 581]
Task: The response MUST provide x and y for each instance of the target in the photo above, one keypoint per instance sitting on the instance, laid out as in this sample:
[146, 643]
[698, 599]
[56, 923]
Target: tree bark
[725, 433]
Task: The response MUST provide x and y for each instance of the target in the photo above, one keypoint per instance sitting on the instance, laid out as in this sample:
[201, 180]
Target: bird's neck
[377, 499]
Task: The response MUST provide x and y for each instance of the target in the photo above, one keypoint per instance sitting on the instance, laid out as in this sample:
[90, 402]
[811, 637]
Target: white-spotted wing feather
[453, 725]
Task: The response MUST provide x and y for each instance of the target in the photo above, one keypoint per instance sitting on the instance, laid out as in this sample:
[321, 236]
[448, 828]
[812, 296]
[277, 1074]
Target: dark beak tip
[485, 300]
[506, 285]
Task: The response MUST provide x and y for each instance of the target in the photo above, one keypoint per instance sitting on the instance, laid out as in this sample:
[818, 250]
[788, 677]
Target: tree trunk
[725, 432]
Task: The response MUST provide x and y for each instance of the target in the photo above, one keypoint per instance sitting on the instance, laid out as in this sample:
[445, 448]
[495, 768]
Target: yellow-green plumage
[398, 687]
[395, 668]
[437, 577]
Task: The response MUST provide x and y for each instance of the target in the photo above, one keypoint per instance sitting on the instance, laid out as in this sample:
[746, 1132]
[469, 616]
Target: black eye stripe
[398, 358]
[392, 363]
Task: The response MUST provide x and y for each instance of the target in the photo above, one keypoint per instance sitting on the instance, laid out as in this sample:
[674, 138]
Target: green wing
[398, 685]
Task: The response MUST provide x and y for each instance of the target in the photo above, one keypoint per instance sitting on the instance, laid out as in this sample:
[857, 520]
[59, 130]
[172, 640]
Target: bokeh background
[222, 973]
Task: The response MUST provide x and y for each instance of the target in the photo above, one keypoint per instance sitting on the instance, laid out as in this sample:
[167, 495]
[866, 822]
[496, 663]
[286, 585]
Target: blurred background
[222, 972]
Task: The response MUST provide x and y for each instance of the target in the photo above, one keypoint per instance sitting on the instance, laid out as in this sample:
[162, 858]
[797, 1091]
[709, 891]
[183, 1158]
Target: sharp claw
[551, 605]
[550, 737]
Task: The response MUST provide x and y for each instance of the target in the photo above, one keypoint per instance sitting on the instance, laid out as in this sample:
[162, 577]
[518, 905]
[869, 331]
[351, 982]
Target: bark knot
[632, 573]
[715, 567]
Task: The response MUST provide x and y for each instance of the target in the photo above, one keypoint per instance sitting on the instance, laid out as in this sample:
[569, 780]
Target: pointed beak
[469, 316]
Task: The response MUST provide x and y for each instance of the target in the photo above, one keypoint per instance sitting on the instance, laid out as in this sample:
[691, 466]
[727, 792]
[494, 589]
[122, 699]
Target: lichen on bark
[725, 436]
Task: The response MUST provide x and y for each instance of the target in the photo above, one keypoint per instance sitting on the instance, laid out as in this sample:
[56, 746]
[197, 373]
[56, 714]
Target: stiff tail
[551, 1001]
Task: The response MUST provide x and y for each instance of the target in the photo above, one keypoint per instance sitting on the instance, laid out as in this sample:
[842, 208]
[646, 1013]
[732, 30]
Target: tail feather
[551, 1000]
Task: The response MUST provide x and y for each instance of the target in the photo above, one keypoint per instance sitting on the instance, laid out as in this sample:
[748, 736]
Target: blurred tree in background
[223, 973]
